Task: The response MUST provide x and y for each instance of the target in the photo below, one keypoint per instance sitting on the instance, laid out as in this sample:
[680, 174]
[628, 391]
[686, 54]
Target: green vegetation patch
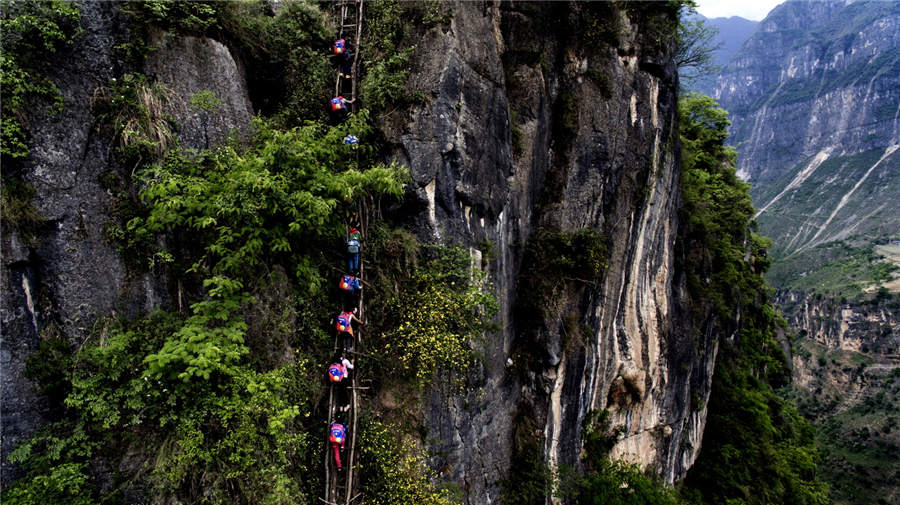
[395, 468]
[29, 31]
[757, 449]
[858, 436]
[198, 415]
[434, 308]
[843, 268]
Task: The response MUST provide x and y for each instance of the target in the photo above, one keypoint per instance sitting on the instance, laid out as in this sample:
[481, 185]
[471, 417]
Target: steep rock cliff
[59, 283]
[867, 327]
[524, 129]
[845, 368]
[815, 77]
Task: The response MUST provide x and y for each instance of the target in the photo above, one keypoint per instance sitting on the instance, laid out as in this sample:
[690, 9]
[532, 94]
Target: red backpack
[346, 283]
[344, 322]
[337, 434]
[335, 372]
[339, 46]
[337, 103]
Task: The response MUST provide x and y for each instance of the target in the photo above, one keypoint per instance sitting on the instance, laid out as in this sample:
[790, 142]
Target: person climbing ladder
[343, 323]
[337, 437]
[339, 376]
[350, 290]
[354, 246]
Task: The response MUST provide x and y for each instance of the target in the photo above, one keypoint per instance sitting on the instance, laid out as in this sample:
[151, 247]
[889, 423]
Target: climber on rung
[344, 325]
[354, 246]
[340, 47]
[350, 289]
[337, 436]
[339, 376]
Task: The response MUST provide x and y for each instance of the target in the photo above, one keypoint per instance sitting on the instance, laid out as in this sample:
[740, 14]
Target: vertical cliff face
[861, 327]
[537, 117]
[527, 127]
[61, 281]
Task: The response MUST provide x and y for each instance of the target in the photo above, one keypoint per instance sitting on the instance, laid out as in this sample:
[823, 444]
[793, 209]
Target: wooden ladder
[350, 12]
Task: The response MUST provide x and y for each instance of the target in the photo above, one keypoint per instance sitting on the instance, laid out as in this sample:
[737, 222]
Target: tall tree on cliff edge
[756, 447]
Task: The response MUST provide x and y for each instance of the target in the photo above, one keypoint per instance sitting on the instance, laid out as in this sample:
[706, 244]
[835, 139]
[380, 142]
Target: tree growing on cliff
[756, 447]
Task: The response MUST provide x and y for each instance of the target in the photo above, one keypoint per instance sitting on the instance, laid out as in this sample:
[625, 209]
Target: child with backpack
[337, 437]
[339, 377]
[354, 246]
[344, 326]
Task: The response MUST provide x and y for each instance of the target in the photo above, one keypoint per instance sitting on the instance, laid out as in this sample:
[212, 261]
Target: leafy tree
[756, 447]
[204, 421]
[695, 44]
[244, 207]
[29, 31]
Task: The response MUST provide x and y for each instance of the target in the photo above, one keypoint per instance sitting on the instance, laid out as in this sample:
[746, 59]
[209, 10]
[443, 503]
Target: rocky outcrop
[871, 327]
[815, 76]
[210, 100]
[60, 282]
[524, 129]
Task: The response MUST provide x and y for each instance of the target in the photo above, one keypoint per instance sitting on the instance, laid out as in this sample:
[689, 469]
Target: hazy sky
[754, 9]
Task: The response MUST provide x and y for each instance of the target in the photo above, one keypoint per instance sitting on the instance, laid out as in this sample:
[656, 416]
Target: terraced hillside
[830, 219]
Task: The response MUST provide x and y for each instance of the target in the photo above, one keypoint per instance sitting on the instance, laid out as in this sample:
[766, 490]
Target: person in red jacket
[337, 437]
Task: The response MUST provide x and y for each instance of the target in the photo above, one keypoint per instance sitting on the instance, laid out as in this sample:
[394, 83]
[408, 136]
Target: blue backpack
[343, 323]
[353, 242]
[335, 372]
[337, 434]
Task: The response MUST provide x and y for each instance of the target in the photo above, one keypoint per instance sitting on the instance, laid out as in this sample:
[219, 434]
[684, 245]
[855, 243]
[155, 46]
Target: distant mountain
[732, 33]
[814, 99]
[814, 76]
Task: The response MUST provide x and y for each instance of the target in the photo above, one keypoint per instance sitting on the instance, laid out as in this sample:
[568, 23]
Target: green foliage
[289, 75]
[845, 267]
[240, 440]
[65, 484]
[718, 212]
[695, 46]
[205, 100]
[136, 110]
[29, 32]
[856, 435]
[756, 448]
[16, 211]
[529, 479]
[193, 18]
[271, 201]
[47, 368]
[201, 419]
[395, 470]
[386, 59]
[605, 481]
[385, 81]
[554, 260]
[430, 324]
[620, 483]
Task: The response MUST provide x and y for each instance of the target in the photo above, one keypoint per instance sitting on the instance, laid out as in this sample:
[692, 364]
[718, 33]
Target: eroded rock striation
[528, 129]
[528, 125]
